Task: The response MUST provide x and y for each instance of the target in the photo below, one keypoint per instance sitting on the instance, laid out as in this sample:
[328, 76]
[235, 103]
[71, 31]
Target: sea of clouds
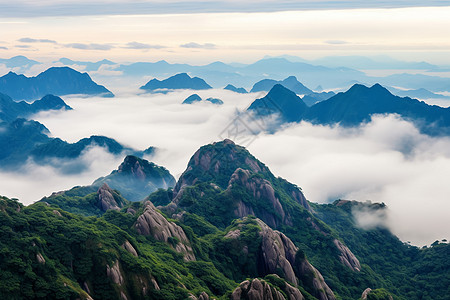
[386, 160]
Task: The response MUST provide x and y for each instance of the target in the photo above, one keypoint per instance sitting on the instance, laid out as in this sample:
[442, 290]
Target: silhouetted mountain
[21, 140]
[419, 93]
[354, 107]
[137, 178]
[232, 88]
[290, 83]
[179, 81]
[18, 62]
[280, 100]
[90, 66]
[214, 101]
[192, 98]
[10, 109]
[56, 80]
[359, 103]
[314, 98]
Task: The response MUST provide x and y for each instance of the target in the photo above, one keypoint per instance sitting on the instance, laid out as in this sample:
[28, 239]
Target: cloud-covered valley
[386, 160]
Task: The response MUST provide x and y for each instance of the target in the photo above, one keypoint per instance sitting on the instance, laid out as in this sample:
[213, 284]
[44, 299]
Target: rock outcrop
[312, 278]
[152, 223]
[278, 251]
[114, 273]
[259, 289]
[262, 190]
[365, 293]
[127, 246]
[279, 255]
[347, 257]
[106, 199]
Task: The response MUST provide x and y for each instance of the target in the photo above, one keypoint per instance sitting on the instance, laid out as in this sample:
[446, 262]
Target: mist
[386, 160]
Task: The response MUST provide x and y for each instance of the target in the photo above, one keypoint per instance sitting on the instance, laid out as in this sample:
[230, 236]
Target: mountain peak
[178, 81]
[136, 178]
[55, 80]
[280, 100]
[290, 82]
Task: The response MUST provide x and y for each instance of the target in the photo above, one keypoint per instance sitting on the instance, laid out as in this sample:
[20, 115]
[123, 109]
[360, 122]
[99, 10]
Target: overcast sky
[31, 8]
[206, 31]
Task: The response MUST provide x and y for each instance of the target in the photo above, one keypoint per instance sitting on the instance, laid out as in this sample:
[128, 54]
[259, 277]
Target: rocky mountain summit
[137, 178]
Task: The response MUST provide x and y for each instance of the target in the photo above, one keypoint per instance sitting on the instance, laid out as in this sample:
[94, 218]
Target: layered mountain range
[352, 108]
[228, 229]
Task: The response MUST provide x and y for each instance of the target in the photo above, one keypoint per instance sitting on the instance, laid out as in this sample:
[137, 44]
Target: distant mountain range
[19, 61]
[330, 72]
[178, 81]
[10, 109]
[354, 107]
[56, 80]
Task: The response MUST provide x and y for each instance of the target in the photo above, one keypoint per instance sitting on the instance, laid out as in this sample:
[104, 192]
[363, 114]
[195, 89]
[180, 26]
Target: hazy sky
[205, 31]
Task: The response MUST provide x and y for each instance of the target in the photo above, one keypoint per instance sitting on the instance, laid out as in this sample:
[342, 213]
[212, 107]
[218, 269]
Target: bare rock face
[312, 277]
[279, 255]
[278, 251]
[106, 199]
[151, 222]
[258, 289]
[347, 257]
[114, 273]
[40, 258]
[365, 293]
[127, 246]
[57, 213]
[261, 190]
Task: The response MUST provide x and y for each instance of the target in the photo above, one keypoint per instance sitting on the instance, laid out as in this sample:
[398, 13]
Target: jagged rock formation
[365, 293]
[114, 273]
[278, 252]
[151, 222]
[347, 257]
[106, 199]
[219, 163]
[202, 296]
[261, 189]
[127, 246]
[136, 178]
[279, 255]
[259, 289]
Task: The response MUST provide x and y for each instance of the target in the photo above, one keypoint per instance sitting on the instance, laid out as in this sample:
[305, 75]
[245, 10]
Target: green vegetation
[63, 246]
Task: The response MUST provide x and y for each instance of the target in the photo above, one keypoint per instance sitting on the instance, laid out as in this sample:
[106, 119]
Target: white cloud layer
[387, 160]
